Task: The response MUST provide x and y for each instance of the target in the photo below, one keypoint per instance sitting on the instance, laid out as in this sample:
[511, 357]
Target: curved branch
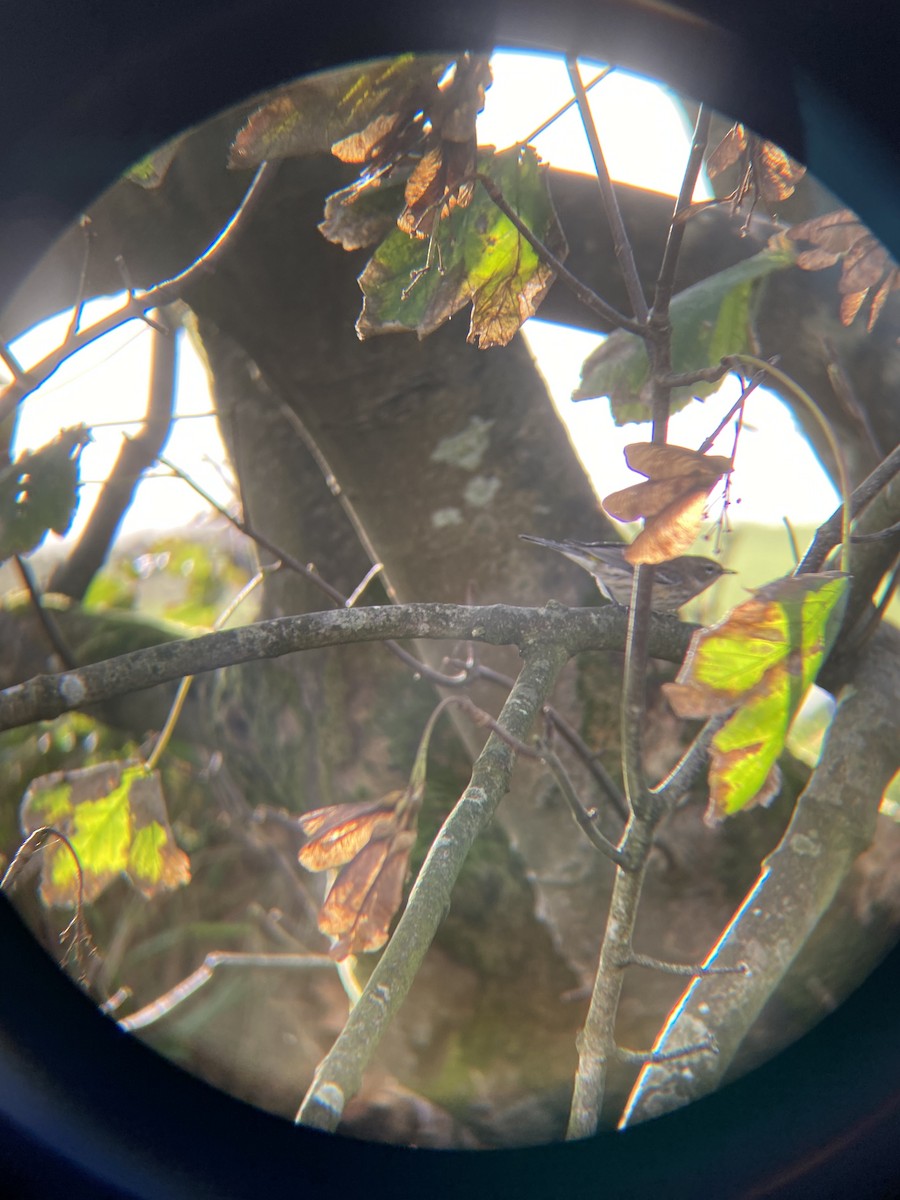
[48, 696]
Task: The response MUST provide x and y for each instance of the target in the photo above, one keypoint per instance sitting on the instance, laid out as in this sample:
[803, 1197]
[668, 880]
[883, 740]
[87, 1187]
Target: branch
[833, 822]
[141, 302]
[596, 1043]
[48, 696]
[73, 575]
[217, 959]
[621, 242]
[340, 1073]
[829, 535]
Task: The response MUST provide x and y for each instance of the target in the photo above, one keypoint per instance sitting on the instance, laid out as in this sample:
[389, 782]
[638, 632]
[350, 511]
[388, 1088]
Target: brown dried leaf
[441, 180]
[673, 472]
[775, 173]
[864, 265]
[728, 151]
[672, 501]
[340, 831]
[891, 283]
[817, 260]
[841, 236]
[835, 231]
[365, 896]
[366, 145]
[370, 842]
[671, 532]
[850, 306]
[767, 171]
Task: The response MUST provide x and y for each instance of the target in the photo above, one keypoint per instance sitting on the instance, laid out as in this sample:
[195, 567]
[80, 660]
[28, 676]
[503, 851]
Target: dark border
[84, 91]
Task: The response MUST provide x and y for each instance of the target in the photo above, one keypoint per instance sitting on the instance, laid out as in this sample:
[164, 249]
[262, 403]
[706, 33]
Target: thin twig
[687, 770]
[12, 365]
[581, 291]
[746, 391]
[48, 624]
[588, 757]
[78, 306]
[644, 1058]
[584, 818]
[74, 574]
[217, 960]
[141, 302]
[690, 970]
[621, 241]
[564, 108]
[307, 572]
[47, 696]
[596, 1042]
[829, 534]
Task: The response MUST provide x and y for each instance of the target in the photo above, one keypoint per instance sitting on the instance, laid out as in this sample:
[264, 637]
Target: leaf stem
[804, 398]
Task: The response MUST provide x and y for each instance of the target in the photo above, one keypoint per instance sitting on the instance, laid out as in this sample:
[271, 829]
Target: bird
[674, 582]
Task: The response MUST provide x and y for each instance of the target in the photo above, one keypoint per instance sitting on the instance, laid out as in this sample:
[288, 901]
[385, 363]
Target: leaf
[757, 663]
[366, 896]
[866, 267]
[39, 492]
[322, 110]
[370, 843]
[672, 500]
[767, 172]
[150, 171]
[477, 257]
[355, 219]
[114, 816]
[709, 320]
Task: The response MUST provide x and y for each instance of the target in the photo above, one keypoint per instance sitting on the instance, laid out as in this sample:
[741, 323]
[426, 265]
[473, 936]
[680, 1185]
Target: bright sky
[645, 142]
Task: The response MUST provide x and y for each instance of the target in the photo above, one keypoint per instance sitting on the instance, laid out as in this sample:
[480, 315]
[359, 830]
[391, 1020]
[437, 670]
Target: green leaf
[150, 171]
[478, 257]
[757, 664]
[39, 492]
[711, 319]
[114, 817]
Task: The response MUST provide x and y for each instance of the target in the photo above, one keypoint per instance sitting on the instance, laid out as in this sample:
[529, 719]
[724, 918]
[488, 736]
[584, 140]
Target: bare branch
[340, 1073]
[138, 303]
[621, 241]
[215, 961]
[47, 696]
[74, 574]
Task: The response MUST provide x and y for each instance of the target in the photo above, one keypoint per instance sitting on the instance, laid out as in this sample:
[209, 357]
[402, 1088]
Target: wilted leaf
[114, 816]
[477, 257]
[766, 172]
[366, 895]
[39, 492]
[672, 500]
[369, 845]
[315, 113]
[867, 268]
[758, 664]
[711, 319]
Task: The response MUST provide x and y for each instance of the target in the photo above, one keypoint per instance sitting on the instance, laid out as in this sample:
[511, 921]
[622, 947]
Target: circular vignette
[82, 95]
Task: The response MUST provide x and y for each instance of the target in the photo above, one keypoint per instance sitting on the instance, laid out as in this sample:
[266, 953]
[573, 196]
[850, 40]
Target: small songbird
[674, 582]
